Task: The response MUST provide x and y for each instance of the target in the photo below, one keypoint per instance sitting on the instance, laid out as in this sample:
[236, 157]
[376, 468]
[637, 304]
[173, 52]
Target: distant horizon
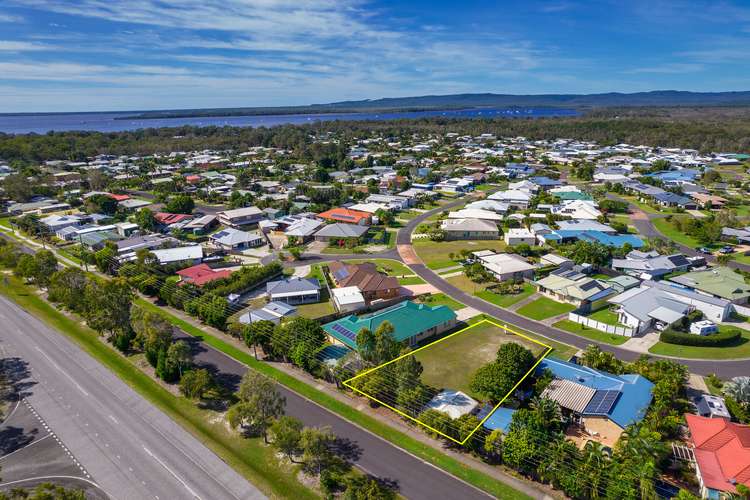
[95, 56]
[315, 106]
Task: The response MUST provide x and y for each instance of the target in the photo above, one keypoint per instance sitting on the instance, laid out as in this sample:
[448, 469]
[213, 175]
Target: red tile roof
[345, 215]
[167, 218]
[201, 274]
[119, 197]
[722, 451]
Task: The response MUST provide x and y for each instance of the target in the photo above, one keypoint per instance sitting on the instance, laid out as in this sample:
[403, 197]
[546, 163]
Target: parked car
[703, 250]
[726, 249]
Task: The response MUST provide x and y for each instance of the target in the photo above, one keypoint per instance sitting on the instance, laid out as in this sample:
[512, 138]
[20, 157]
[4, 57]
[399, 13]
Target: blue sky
[69, 55]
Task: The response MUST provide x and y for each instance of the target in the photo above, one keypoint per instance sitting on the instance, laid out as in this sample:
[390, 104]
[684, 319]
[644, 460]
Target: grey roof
[303, 227]
[658, 264]
[293, 285]
[340, 230]
[469, 225]
[584, 225]
[233, 237]
[651, 296]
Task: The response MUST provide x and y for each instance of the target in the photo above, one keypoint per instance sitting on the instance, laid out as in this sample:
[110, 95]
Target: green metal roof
[408, 319]
[719, 281]
[573, 195]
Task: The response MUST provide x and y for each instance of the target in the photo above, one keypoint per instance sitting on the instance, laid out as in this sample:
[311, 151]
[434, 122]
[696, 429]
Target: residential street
[129, 448]
[724, 369]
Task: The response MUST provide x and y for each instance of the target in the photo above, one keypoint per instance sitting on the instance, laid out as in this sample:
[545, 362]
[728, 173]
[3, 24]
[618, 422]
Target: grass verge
[421, 450]
[740, 350]
[508, 299]
[590, 333]
[249, 457]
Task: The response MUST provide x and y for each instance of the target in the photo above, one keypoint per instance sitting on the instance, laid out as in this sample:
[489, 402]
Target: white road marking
[63, 372]
[20, 449]
[172, 472]
[114, 419]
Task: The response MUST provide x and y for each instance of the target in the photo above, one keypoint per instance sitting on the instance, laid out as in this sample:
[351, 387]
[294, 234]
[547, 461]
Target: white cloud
[17, 46]
[8, 18]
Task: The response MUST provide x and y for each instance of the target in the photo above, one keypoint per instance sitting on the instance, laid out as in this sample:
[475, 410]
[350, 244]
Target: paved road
[643, 223]
[724, 369]
[416, 480]
[131, 449]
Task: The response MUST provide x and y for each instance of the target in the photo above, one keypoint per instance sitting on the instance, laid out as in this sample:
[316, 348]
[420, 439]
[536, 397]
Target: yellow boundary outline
[348, 382]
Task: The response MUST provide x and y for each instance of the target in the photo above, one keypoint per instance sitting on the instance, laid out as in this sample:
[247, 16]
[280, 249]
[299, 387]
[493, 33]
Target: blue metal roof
[635, 390]
[612, 240]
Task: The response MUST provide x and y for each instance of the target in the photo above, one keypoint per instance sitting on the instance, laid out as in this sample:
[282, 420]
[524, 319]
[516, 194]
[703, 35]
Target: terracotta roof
[722, 451]
[167, 218]
[344, 215]
[119, 197]
[364, 276]
[201, 274]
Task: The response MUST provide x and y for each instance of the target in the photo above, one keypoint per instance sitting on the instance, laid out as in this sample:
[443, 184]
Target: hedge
[722, 338]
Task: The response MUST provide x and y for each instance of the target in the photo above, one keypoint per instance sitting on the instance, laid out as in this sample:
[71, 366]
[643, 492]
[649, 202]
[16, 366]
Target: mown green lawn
[412, 280]
[590, 333]
[506, 300]
[543, 308]
[668, 230]
[249, 457]
[605, 315]
[441, 299]
[450, 363]
[740, 350]
[436, 254]
[387, 266]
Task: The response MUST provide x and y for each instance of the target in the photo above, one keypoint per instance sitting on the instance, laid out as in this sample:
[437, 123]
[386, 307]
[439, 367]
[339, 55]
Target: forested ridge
[705, 129]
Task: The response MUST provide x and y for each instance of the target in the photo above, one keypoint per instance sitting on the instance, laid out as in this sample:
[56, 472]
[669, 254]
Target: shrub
[722, 338]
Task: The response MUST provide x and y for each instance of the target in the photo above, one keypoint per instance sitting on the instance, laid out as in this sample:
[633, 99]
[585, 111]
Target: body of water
[113, 122]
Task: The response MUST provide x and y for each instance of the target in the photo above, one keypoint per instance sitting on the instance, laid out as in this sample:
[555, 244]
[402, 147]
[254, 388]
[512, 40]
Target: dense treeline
[713, 130]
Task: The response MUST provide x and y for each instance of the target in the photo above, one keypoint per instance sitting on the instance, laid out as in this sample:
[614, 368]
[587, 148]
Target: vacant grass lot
[590, 333]
[543, 308]
[668, 230]
[462, 282]
[451, 362]
[740, 350]
[508, 299]
[435, 254]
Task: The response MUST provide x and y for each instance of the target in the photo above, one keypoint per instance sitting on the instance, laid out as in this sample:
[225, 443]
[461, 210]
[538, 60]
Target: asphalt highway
[128, 447]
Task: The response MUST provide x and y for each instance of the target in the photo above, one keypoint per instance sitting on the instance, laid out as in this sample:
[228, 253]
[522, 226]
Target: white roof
[475, 213]
[166, 255]
[519, 232]
[347, 295]
[504, 263]
[453, 403]
[241, 212]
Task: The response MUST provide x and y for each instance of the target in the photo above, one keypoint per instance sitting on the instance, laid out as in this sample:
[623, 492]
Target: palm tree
[547, 412]
[595, 463]
[738, 389]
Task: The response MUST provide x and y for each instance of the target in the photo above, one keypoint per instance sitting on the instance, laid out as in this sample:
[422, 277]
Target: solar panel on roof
[602, 402]
[341, 273]
[344, 331]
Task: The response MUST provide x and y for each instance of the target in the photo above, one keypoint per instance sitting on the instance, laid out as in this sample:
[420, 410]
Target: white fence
[743, 310]
[625, 331]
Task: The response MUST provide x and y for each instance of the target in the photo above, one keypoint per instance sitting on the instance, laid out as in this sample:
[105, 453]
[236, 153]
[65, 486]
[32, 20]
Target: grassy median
[249, 457]
[421, 450]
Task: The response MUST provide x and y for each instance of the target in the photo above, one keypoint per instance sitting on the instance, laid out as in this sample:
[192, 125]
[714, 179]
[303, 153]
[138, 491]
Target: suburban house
[491, 205]
[241, 216]
[661, 304]
[453, 403]
[411, 322]
[303, 229]
[476, 213]
[721, 282]
[513, 198]
[505, 266]
[470, 229]
[340, 231]
[201, 274]
[519, 235]
[650, 265]
[669, 199]
[201, 225]
[573, 287]
[294, 290]
[348, 216]
[273, 311]
[577, 209]
[601, 404]
[715, 202]
[722, 455]
[369, 281]
[348, 298]
[234, 239]
[167, 219]
[54, 223]
[192, 254]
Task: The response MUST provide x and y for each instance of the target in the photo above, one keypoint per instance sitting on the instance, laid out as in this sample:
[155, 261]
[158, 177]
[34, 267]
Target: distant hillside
[661, 98]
